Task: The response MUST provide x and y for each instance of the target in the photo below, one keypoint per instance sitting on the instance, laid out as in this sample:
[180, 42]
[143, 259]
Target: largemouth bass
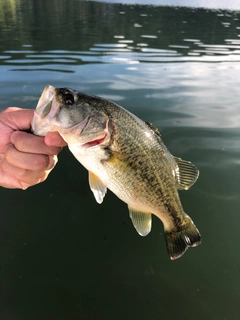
[125, 155]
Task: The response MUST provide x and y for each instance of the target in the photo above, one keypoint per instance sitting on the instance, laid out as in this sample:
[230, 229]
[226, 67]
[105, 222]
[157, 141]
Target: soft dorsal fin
[97, 186]
[141, 221]
[186, 174]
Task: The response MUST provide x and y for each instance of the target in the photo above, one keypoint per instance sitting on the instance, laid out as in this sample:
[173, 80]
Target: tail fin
[178, 241]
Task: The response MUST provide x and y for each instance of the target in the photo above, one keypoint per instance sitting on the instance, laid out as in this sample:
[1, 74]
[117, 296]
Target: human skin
[25, 159]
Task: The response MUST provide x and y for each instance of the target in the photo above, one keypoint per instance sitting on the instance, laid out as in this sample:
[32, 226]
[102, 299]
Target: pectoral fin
[141, 221]
[97, 186]
[186, 174]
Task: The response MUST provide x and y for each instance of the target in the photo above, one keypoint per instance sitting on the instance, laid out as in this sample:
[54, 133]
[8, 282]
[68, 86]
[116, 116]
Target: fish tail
[178, 241]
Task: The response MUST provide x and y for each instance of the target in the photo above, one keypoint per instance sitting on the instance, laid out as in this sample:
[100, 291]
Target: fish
[126, 155]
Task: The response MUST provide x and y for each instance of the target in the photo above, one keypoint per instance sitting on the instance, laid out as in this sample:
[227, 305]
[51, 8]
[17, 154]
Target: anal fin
[186, 173]
[141, 221]
[97, 186]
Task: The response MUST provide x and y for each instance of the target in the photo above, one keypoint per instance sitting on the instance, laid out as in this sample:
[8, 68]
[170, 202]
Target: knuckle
[52, 162]
[32, 178]
[43, 177]
[39, 178]
[10, 109]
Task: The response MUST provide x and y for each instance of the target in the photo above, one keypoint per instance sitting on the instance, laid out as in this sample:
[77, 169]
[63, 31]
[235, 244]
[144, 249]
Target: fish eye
[69, 98]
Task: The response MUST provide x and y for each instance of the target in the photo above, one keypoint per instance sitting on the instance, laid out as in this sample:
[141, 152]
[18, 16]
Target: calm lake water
[62, 255]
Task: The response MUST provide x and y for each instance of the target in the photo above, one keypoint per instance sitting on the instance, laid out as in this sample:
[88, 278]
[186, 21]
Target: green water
[63, 256]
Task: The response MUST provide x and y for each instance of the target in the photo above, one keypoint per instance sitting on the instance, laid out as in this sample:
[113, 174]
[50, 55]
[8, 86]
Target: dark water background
[62, 255]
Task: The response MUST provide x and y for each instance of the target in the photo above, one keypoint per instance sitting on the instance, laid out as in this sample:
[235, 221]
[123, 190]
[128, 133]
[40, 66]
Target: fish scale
[141, 147]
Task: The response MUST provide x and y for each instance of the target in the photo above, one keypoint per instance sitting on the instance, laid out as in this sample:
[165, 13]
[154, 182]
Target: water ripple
[126, 51]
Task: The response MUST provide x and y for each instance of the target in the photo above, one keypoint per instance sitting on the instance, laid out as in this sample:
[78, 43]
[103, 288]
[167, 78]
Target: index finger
[29, 143]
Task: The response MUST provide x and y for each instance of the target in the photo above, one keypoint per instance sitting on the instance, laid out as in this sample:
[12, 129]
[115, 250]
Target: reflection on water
[177, 67]
[153, 34]
[124, 53]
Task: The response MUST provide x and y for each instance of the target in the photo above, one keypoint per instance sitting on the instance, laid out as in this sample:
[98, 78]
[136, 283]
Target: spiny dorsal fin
[141, 221]
[186, 173]
[153, 128]
[98, 188]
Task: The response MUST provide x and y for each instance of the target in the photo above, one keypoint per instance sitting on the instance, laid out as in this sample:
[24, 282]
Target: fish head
[71, 113]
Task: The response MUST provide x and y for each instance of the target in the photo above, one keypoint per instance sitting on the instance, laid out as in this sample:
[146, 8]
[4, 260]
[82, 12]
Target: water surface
[62, 255]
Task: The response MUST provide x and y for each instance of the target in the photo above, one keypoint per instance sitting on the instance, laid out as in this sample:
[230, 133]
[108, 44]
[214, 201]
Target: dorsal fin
[141, 221]
[186, 174]
[97, 186]
[153, 128]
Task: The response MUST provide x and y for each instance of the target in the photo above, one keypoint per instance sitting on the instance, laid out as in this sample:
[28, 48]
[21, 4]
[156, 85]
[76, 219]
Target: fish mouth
[45, 111]
[47, 105]
[45, 99]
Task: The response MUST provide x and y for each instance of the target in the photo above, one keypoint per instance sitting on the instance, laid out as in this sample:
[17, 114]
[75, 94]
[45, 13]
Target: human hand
[25, 159]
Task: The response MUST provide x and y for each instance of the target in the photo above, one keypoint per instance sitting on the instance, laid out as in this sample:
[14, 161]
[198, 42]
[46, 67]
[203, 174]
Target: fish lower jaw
[40, 127]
